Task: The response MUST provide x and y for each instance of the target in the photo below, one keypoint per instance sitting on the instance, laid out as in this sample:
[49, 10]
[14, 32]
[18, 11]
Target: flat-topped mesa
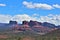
[12, 22]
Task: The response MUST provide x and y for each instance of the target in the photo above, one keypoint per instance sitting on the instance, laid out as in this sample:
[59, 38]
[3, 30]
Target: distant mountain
[46, 24]
[32, 26]
[39, 27]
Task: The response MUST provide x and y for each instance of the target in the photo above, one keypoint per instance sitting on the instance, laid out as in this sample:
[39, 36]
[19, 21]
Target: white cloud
[4, 18]
[21, 18]
[43, 6]
[2, 4]
[18, 18]
[28, 4]
[54, 19]
[35, 14]
[37, 5]
[56, 5]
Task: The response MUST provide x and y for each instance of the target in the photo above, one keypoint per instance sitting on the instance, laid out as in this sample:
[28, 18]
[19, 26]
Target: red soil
[3, 36]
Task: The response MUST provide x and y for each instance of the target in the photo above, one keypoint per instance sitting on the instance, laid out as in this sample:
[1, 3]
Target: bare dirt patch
[3, 36]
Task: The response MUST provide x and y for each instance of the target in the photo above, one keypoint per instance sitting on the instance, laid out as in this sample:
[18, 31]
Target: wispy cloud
[2, 4]
[37, 5]
[56, 5]
[54, 19]
[35, 14]
[40, 5]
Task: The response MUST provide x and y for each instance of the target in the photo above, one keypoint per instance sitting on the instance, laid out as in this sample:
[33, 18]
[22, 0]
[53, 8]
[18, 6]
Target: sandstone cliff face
[34, 26]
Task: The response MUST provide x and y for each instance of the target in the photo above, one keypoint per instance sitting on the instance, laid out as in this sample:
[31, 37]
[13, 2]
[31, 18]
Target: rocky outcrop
[12, 22]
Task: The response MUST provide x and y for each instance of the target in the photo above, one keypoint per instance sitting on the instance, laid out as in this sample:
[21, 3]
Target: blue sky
[14, 7]
[36, 9]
